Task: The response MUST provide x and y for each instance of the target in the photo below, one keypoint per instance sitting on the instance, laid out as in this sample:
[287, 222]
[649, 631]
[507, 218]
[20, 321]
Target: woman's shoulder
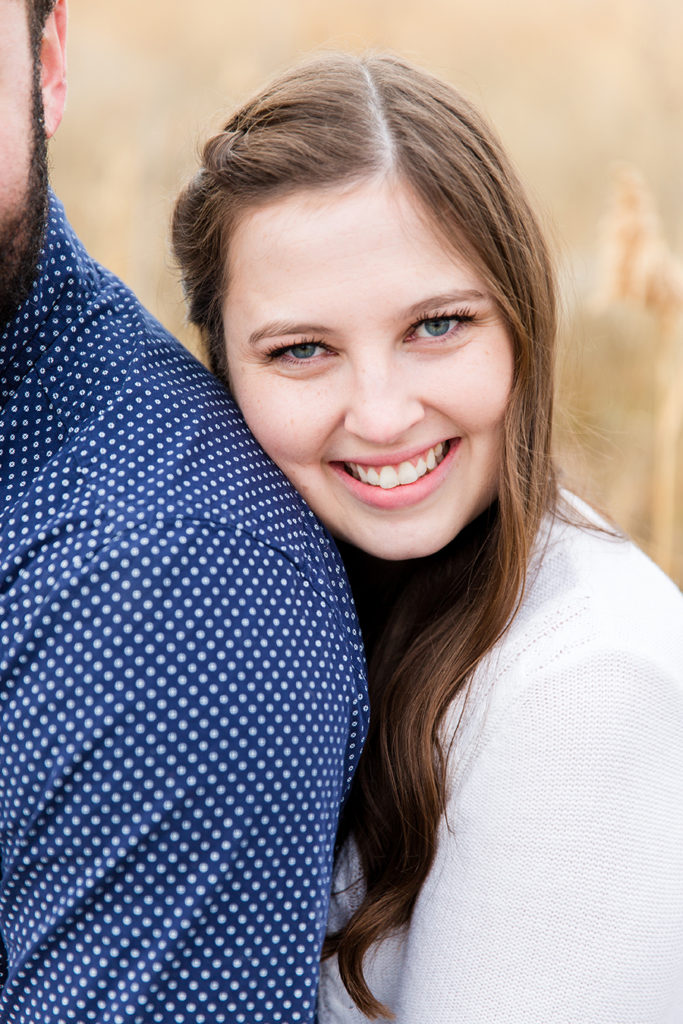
[599, 632]
[589, 584]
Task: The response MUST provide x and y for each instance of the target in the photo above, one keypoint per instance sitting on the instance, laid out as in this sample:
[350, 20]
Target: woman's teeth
[402, 473]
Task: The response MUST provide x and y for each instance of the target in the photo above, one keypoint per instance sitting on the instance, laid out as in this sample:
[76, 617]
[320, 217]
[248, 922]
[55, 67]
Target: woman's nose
[383, 406]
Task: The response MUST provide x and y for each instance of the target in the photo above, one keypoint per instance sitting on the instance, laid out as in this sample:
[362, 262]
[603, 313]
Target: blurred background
[588, 98]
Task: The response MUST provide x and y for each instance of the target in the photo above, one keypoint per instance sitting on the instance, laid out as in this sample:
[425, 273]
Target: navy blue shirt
[182, 688]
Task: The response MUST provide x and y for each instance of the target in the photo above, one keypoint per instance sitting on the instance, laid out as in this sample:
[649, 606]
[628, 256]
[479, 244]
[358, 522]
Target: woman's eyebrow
[444, 299]
[280, 328]
[277, 328]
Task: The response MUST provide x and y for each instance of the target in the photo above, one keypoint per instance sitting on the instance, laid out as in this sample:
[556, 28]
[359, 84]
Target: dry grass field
[577, 90]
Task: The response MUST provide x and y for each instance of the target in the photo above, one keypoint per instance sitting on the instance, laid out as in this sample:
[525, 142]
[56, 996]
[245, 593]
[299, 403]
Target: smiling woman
[375, 290]
[391, 367]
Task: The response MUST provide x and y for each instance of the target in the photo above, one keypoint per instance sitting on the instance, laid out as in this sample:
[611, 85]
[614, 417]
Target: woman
[376, 291]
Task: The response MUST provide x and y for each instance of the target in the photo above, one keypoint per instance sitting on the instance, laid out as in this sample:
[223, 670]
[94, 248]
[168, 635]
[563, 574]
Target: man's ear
[53, 65]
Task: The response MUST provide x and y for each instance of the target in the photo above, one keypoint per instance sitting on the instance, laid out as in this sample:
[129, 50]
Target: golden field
[578, 90]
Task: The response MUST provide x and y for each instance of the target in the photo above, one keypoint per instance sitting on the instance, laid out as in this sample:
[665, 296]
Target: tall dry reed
[638, 267]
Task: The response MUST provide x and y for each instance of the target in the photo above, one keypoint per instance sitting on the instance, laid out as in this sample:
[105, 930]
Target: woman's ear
[53, 66]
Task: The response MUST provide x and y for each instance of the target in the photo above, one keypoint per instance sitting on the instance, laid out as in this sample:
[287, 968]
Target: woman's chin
[390, 547]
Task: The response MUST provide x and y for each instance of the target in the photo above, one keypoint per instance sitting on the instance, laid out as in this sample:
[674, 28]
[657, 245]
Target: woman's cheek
[280, 422]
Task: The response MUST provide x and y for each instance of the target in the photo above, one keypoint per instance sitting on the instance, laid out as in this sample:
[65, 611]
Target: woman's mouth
[401, 473]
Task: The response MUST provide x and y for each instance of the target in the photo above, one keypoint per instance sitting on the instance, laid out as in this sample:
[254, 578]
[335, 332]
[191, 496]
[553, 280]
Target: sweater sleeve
[557, 894]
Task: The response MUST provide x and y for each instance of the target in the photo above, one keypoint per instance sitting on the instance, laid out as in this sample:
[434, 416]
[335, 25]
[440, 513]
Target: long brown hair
[327, 123]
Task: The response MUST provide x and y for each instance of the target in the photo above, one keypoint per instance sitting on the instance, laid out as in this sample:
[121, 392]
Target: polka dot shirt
[182, 688]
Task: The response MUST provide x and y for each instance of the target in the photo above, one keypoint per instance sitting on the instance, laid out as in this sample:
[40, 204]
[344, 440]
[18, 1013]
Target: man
[182, 692]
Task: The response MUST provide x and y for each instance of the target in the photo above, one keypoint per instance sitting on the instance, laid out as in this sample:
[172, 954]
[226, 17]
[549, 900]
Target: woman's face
[370, 363]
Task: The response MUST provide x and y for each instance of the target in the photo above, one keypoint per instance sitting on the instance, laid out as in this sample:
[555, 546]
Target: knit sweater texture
[556, 895]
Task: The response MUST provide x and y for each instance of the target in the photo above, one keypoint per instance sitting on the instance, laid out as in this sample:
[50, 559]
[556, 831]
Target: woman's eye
[304, 351]
[437, 327]
[301, 352]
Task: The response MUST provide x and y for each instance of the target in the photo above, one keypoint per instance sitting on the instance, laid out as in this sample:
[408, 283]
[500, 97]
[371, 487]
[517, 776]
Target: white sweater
[556, 896]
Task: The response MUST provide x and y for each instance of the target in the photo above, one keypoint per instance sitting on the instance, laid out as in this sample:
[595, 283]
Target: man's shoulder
[149, 432]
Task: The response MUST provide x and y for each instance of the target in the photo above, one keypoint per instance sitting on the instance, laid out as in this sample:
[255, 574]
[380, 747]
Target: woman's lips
[399, 474]
[383, 486]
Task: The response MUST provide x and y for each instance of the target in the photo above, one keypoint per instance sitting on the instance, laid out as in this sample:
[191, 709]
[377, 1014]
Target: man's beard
[22, 230]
